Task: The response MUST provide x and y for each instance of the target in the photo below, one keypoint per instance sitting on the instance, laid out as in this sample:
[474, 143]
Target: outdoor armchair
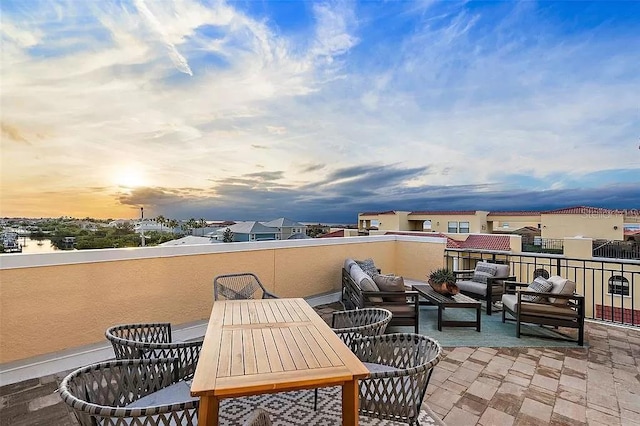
[258, 417]
[130, 392]
[153, 340]
[484, 282]
[552, 308]
[239, 286]
[400, 365]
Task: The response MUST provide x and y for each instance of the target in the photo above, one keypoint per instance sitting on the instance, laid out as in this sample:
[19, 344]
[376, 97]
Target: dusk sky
[316, 110]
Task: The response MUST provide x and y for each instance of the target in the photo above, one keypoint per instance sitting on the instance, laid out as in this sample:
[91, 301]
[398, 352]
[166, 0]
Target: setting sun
[129, 177]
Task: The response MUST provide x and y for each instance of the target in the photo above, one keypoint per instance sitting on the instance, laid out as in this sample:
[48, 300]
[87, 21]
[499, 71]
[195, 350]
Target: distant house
[289, 229]
[249, 231]
[190, 240]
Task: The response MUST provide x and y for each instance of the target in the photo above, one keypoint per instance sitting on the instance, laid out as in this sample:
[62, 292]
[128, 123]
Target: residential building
[287, 227]
[249, 231]
[591, 222]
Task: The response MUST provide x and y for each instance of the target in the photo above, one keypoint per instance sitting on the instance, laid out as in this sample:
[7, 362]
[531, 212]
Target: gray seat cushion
[550, 311]
[174, 394]
[472, 287]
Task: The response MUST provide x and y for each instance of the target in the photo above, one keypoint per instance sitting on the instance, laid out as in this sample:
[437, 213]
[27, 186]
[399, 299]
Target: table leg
[440, 308]
[208, 412]
[478, 315]
[350, 401]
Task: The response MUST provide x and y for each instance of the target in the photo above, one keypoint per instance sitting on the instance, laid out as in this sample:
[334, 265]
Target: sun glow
[129, 177]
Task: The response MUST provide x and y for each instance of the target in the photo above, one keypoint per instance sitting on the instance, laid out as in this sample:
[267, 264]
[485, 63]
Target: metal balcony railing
[611, 286]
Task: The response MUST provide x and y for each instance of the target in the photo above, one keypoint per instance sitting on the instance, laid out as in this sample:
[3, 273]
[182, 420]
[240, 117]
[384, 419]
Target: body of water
[30, 245]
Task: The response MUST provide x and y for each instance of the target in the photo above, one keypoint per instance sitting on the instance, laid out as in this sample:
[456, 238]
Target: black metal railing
[535, 244]
[611, 287]
[616, 249]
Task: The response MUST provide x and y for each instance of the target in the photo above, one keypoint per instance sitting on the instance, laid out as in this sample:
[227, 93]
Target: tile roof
[377, 213]
[487, 242]
[444, 212]
[632, 232]
[515, 213]
[334, 234]
[479, 241]
[580, 210]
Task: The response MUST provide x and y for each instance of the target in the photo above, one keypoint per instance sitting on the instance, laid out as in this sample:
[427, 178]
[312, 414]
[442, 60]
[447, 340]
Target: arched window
[426, 225]
[619, 285]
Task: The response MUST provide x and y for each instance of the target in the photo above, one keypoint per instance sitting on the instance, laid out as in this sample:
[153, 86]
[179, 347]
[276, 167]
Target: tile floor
[595, 385]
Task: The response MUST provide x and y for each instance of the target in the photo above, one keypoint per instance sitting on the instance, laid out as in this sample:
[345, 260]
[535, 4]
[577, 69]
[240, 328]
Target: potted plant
[443, 281]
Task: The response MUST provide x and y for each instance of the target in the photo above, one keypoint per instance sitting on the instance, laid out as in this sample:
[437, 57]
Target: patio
[595, 385]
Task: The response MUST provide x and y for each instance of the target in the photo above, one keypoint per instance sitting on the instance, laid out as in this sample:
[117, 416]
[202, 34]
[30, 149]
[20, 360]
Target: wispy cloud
[398, 104]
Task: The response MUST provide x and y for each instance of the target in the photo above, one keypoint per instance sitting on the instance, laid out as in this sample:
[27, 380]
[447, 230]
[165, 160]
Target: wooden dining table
[262, 346]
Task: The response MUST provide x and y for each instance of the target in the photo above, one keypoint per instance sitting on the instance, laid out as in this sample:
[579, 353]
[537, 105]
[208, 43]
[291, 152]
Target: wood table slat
[272, 350]
[250, 365]
[285, 355]
[262, 360]
[307, 353]
[238, 354]
[328, 351]
[224, 363]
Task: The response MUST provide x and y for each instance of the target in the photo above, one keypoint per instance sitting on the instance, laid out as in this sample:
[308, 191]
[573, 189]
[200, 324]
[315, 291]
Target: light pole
[142, 226]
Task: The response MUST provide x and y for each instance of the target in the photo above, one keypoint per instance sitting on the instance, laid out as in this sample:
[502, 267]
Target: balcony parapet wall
[55, 301]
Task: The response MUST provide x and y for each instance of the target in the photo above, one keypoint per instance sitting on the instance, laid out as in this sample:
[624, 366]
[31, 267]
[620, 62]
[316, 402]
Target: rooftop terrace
[64, 301]
[594, 385]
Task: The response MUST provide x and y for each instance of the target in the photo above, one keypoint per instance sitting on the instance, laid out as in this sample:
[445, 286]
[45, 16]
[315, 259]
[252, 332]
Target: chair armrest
[501, 279]
[569, 297]
[511, 286]
[464, 271]
[411, 296]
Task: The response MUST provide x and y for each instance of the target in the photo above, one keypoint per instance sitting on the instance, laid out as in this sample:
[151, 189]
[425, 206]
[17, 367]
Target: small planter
[443, 281]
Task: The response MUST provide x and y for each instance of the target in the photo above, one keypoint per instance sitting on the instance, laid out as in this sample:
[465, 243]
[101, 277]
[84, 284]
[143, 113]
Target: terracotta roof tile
[580, 210]
[515, 213]
[334, 234]
[487, 242]
[377, 213]
[444, 212]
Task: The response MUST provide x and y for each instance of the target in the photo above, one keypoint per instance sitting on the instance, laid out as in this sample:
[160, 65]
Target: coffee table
[443, 302]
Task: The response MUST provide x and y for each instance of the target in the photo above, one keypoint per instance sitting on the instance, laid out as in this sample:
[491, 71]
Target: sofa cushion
[561, 286]
[365, 282]
[483, 271]
[390, 283]
[368, 266]
[539, 285]
[348, 263]
[550, 311]
[502, 271]
[472, 287]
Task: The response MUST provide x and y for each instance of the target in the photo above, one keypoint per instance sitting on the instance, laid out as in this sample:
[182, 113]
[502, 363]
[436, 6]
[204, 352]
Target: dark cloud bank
[346, 192]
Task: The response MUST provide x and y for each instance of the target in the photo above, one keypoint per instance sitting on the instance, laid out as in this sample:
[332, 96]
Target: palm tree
[192, 223]
[161, 220]
[202, 222]
[173, 224]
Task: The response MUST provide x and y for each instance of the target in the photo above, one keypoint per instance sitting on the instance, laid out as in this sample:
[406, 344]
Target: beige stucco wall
[514, 222]
[439, 223]
[46, 309]
[596, 226]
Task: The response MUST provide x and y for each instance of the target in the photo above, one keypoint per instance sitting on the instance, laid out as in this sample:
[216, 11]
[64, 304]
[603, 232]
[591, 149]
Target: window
[505, 225]
[464, 227]
[619, 285]
[426, 225]
[452, 227]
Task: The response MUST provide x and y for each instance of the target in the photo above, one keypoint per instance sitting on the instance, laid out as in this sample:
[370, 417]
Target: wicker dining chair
[355, 323]
[153, 340]
[130, 392]
[239, 286]
[400, 367]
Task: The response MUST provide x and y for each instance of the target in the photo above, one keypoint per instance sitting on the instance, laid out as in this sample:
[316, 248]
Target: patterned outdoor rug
[296, 408]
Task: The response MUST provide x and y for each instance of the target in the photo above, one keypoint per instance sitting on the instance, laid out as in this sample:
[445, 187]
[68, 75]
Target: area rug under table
[494, 333]
[296, 408]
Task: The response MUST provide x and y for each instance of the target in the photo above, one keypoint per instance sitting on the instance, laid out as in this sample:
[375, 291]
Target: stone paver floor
[595, 385]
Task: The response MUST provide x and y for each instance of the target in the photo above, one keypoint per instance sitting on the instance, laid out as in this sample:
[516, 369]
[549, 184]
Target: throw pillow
[561, 286]
[539, 285]
[365, 282]
[391, 283]
[368, 266]
[348, 263]
[483, 271]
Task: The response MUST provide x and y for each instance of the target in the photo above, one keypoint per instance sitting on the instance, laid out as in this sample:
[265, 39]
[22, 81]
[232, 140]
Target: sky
[254, 110]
